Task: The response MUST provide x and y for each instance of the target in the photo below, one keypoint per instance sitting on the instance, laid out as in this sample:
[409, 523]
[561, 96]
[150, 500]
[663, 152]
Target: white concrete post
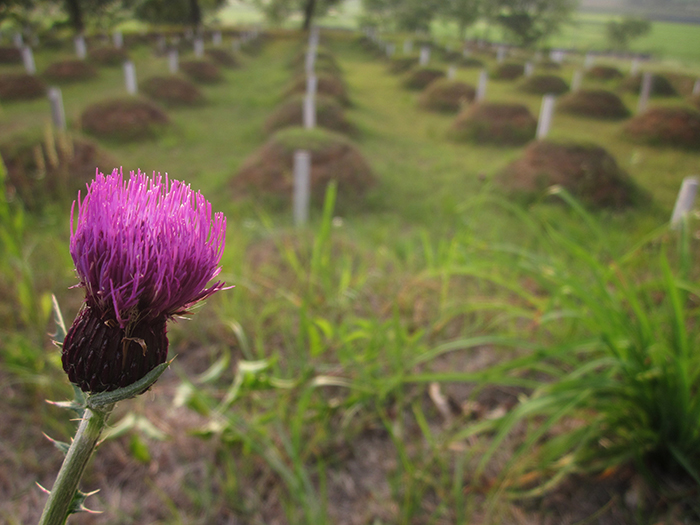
[58, 115]
[80, 48]
[130, 77]
[173, 61]
[424, 56]
[481, 87]
[576, 80]
[545, 120]
[684, 201]
[302, 183]
[28, 60]
[199, 48]
[645, 91]
[118, 39]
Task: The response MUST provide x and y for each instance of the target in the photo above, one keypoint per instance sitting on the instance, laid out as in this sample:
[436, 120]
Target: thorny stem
[66, 484]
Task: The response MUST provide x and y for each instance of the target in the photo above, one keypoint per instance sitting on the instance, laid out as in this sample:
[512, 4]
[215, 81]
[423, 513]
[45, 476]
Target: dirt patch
[172, 91]
[51, 168]
[604, 73]
[594, 103]
[333, 158]
[660, 86]
[328, 85]
[586, 171]
[201, 71]
[447, 95]
[124, 119]
[21, 87]
[501, 124]
[223, 58]
[508, 71]
[544, 84]
[666, 126]
[10, 55]
[399, 65]
[420, 78]
[108, 56]
[70, 71]
[329, 115]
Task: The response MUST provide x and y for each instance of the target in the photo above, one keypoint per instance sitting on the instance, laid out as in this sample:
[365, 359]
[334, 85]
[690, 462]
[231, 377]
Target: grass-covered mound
[70, 71]
[549, 65]
[329, 115]
[594, 103]
[43, 168]
[21, 87]
[544, 84]
[172, 91]
[586, 171]
[124, 119]
[471, 62]
[508, 71]
[447, 95]
[328, 85]
[108, 56]
[223, 58]
[201, 71]
[495, 123]
[421, 77]
[333, 158]
[604, 73]
[666, 126]
[399, 65]
[660, 86]
[324, 62]
[10, 55]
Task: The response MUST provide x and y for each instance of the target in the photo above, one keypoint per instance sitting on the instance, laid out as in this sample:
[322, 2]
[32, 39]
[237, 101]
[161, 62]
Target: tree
[404, 15]
[529, 21]
[463, 12]
[277, 11]
[621, 32]
[175, 11]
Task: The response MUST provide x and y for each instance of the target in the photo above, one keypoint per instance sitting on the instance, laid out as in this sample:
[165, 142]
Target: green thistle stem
[66, 484]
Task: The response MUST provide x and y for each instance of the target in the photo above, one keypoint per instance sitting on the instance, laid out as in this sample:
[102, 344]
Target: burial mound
[666, 126]
[172, 91]
[421, 77]
[329, 115]
[594, 103]
[544, 84]
[201, 71]
[108, 56]
[494, 123]
[124, 119]
[70, 71]
[21, 87]
[447, 95]
[328, 85]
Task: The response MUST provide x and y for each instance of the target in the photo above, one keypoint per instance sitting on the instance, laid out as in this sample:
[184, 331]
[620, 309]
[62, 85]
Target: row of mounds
[586, 171]
[45, 167]
[268, 172]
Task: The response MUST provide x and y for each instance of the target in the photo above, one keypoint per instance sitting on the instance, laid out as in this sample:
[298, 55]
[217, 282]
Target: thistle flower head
[144, 250]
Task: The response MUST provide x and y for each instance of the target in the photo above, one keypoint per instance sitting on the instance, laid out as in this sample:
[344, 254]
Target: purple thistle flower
[144, 250]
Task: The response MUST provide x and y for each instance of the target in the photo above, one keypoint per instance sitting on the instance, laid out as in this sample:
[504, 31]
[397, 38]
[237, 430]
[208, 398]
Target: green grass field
[347, 377]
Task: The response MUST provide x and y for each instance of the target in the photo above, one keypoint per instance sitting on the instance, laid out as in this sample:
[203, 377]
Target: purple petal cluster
[145, 247]
[144, 250]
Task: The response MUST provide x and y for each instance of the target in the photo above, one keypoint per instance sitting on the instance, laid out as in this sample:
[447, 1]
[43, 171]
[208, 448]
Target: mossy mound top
[269, 171]
[223, 58]
[508, 71]
[21, 87]
[604, 73]
[201, 71]
[326, 84]
[594, 103]
[666, 126]
[172, 91]
[48, 167]
[660, 86]
[447, 95]
[399, 65]
[586, 171]
[108, 56]
[329, 115]
[421, 77]
[495, 123]
[544, 84]
[70, 71]
[124, 119]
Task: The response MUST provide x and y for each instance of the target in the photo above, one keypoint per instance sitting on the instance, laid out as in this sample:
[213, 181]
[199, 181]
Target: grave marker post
[576, 80]
[481, 87]
[500, 54]
[684, 201]
[529, 69]
[696, 87]
[173, 61]
[130, 77]
[28, 60]
[199, 47]
[302, 182]
[407, 47]
[424, 56]
[309, 111]
[588, 61]
[216, 38]
[58, 115]
[118, 39]
[80, 48]
[634, 67]
[451, 72]
[645, 91]
[545, 120]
